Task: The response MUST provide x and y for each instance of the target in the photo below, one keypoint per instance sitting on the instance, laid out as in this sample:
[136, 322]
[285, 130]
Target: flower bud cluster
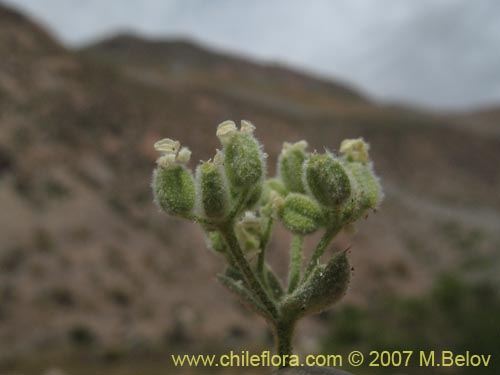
[321, 190]
[233, 180]
[230, 196]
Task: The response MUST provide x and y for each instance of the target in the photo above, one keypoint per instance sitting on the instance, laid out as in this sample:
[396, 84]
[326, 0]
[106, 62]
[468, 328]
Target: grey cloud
[439, 54]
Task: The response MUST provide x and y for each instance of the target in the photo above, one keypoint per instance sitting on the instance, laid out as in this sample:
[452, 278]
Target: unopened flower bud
[212, 190]
[173, 183]
[367, 191]
[327, 180]
[326, 286]
[174, 190]
[300, 214]
[290, 166]
[243, 157]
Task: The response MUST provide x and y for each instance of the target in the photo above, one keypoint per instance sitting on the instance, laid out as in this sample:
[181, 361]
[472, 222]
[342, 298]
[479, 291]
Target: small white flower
[355, 149]
[247, 127]
[167, 146]
[225, 130]
[299, 146]
[170, 153]
[184, 155]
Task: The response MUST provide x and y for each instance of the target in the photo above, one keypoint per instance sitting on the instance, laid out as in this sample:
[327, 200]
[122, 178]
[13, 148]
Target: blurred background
[94, 280]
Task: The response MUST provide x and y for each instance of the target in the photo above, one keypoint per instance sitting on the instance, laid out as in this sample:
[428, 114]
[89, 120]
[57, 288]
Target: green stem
[261, 260]
[295, 262]
[272, 283]
[242, 263]
[283, 332]
[242, 199]
[245, 296]
[320, 249]
[198, 219]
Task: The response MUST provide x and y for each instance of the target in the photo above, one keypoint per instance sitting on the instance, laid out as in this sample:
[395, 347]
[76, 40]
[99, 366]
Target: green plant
[237, 208]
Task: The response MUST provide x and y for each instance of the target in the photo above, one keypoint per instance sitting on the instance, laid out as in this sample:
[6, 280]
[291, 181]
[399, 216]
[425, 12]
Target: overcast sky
[434, 53]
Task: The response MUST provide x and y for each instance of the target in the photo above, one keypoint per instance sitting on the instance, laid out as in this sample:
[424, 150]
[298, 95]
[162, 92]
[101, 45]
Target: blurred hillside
[87, 261]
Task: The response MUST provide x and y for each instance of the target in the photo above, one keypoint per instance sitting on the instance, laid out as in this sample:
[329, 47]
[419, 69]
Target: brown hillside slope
[86, 257]
[485, 121]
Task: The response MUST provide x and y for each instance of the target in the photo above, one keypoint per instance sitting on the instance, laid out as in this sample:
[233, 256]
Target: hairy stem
[283, 332]
[242, 199]
[295, 262]
[320, 249]
[245, 296]
[249, 276]
[261, 260]
[273, 284]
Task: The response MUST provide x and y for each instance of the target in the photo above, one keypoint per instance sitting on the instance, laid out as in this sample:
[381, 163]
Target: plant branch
[273, 284]
[242, 199]
[295, 262]
[249, 276]
[320, 249]
[245, 296]
[261, 260]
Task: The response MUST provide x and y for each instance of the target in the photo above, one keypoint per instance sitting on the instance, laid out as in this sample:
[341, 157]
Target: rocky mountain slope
[86, 259]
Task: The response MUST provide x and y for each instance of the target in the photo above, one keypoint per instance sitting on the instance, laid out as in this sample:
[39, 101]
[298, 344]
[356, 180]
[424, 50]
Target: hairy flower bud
[290, 164]
[212, 190]
[243, 157]
[174, 190]
[327, 180]
[326, 286]
[367, 191]
[300, 214]
[173, 183]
